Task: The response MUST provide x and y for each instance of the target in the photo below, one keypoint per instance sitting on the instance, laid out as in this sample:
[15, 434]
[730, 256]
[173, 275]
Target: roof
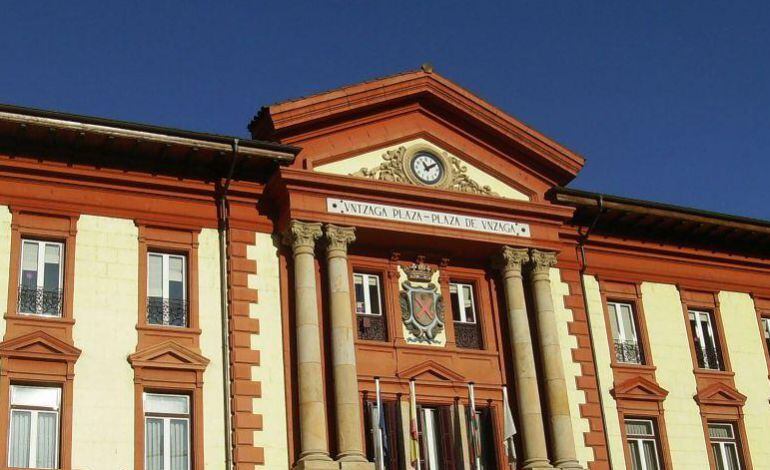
[626, 217]
[282, 120]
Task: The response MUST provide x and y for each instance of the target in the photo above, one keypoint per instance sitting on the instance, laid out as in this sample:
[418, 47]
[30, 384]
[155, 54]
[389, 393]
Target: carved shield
[422, 310]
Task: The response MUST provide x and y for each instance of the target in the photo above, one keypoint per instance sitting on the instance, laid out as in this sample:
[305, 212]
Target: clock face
[427, 168]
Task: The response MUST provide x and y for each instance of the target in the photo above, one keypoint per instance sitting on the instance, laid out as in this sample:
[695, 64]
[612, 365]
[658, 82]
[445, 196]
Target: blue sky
[668, 101]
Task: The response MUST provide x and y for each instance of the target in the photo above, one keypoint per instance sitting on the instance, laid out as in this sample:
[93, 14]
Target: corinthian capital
[338, 238]
[302, 235]
[511, 259]
[542, 261]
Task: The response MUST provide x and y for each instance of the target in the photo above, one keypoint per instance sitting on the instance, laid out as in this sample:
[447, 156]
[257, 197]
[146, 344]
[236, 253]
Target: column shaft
[314, 440]
[347, 407]
[525, 377]
[562, 437]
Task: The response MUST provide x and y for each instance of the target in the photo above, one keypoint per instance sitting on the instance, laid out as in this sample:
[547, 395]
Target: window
[166, 432]
[624, 333]
[704, 340]
[467, 330]
[486, 459]
[436, 433]
[725, 446]
[371, 322]
[642, 444]
[40, 279]
[166, 289]
[34, 427]
[766, 331]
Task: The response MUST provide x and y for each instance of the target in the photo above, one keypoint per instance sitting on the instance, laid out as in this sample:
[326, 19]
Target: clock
[428, 168]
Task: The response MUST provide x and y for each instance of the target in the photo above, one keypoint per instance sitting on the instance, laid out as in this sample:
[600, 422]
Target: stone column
[562, 438]
[314, 441]
[348, 410]
[527, 393]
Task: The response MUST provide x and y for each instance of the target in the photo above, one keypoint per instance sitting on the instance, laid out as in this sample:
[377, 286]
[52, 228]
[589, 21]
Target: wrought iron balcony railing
[372, 327]
[467, 335]
[40, 301]
[166, 312]
[708, 358]
[628, 352]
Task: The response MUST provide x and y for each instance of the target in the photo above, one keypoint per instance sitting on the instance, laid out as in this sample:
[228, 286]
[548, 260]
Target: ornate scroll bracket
[395, 168]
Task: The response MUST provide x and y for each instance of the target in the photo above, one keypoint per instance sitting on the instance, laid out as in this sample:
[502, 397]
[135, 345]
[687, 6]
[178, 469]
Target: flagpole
[415, 447]
[476, 444]
[380, 437]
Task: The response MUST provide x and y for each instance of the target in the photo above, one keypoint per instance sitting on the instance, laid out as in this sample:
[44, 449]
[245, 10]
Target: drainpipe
[583, 266]
[224, 227]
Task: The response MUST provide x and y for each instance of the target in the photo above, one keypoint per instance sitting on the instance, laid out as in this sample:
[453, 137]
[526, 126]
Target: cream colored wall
[272, 404]
[211, 347]
[5, 262]
[672, 357]
[744, 342]
[371, 159]
[105, 310]
[572, 370]
[602, 351]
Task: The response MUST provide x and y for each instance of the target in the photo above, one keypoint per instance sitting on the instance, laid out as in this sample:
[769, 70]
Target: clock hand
[427, 168]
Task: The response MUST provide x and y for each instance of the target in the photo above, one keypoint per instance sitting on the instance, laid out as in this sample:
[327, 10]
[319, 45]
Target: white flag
[509, 428]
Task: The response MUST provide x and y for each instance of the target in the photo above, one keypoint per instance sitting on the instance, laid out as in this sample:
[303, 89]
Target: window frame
[714, 333]
[367, 295]
[40, 268]
[735, 440]
[166, 419]
[640, 439]
[34, 411]
[464, 314]
[615, 303]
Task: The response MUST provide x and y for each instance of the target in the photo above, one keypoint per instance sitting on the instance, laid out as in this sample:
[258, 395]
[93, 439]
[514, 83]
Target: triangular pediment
[720, 394]
[394, 163]
[354, 119]
[40, 345]
[168, 354]
[639, 388]
[430, 371]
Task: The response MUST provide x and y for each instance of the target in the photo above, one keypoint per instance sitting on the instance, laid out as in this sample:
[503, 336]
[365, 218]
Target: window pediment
[430, 370]
[168, 354]
[39, 345]
[639, 388]
[720, 394]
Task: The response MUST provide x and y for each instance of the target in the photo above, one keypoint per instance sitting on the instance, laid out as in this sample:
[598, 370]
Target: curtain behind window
[18, 450]
[179, 451]
[46, 440]
[153, 445]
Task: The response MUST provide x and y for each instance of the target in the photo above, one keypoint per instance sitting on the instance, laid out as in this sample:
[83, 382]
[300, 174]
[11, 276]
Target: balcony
[166, 312]
[372, 327]
[467, 335]
[708, 358]
[40, 301]
[628, 352]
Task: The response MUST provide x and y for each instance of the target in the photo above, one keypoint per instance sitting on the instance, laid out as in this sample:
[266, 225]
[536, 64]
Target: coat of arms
[422, 307]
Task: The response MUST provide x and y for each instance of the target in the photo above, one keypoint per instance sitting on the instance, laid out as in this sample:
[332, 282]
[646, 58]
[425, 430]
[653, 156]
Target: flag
[414, 435]
[475, 433]
[381, 442]
[509, 428]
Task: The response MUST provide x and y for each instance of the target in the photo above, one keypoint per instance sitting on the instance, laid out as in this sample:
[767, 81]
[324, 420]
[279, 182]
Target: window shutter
[421, 438]
[446, 437]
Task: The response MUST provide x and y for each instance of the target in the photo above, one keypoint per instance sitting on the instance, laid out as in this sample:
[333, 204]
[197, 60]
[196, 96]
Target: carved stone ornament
[422, 311]
[302, 234]
[338, 238]
[512, 259]
[419, 271]
[396, 167]
[542, 261]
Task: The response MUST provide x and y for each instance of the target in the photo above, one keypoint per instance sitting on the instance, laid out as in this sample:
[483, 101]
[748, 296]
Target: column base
[539, 464]
[569, 465]
[316, 465]
[348, 465]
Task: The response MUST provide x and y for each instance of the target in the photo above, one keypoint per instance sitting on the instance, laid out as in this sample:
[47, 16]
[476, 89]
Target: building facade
[391, 275]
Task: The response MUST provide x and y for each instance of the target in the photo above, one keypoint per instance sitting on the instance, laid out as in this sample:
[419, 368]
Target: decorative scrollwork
[40, 301]
[708, 358]
[395, 168]
[372, 327]
[628, 352]
[422, 311]
[166, 312]
[467, 335]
